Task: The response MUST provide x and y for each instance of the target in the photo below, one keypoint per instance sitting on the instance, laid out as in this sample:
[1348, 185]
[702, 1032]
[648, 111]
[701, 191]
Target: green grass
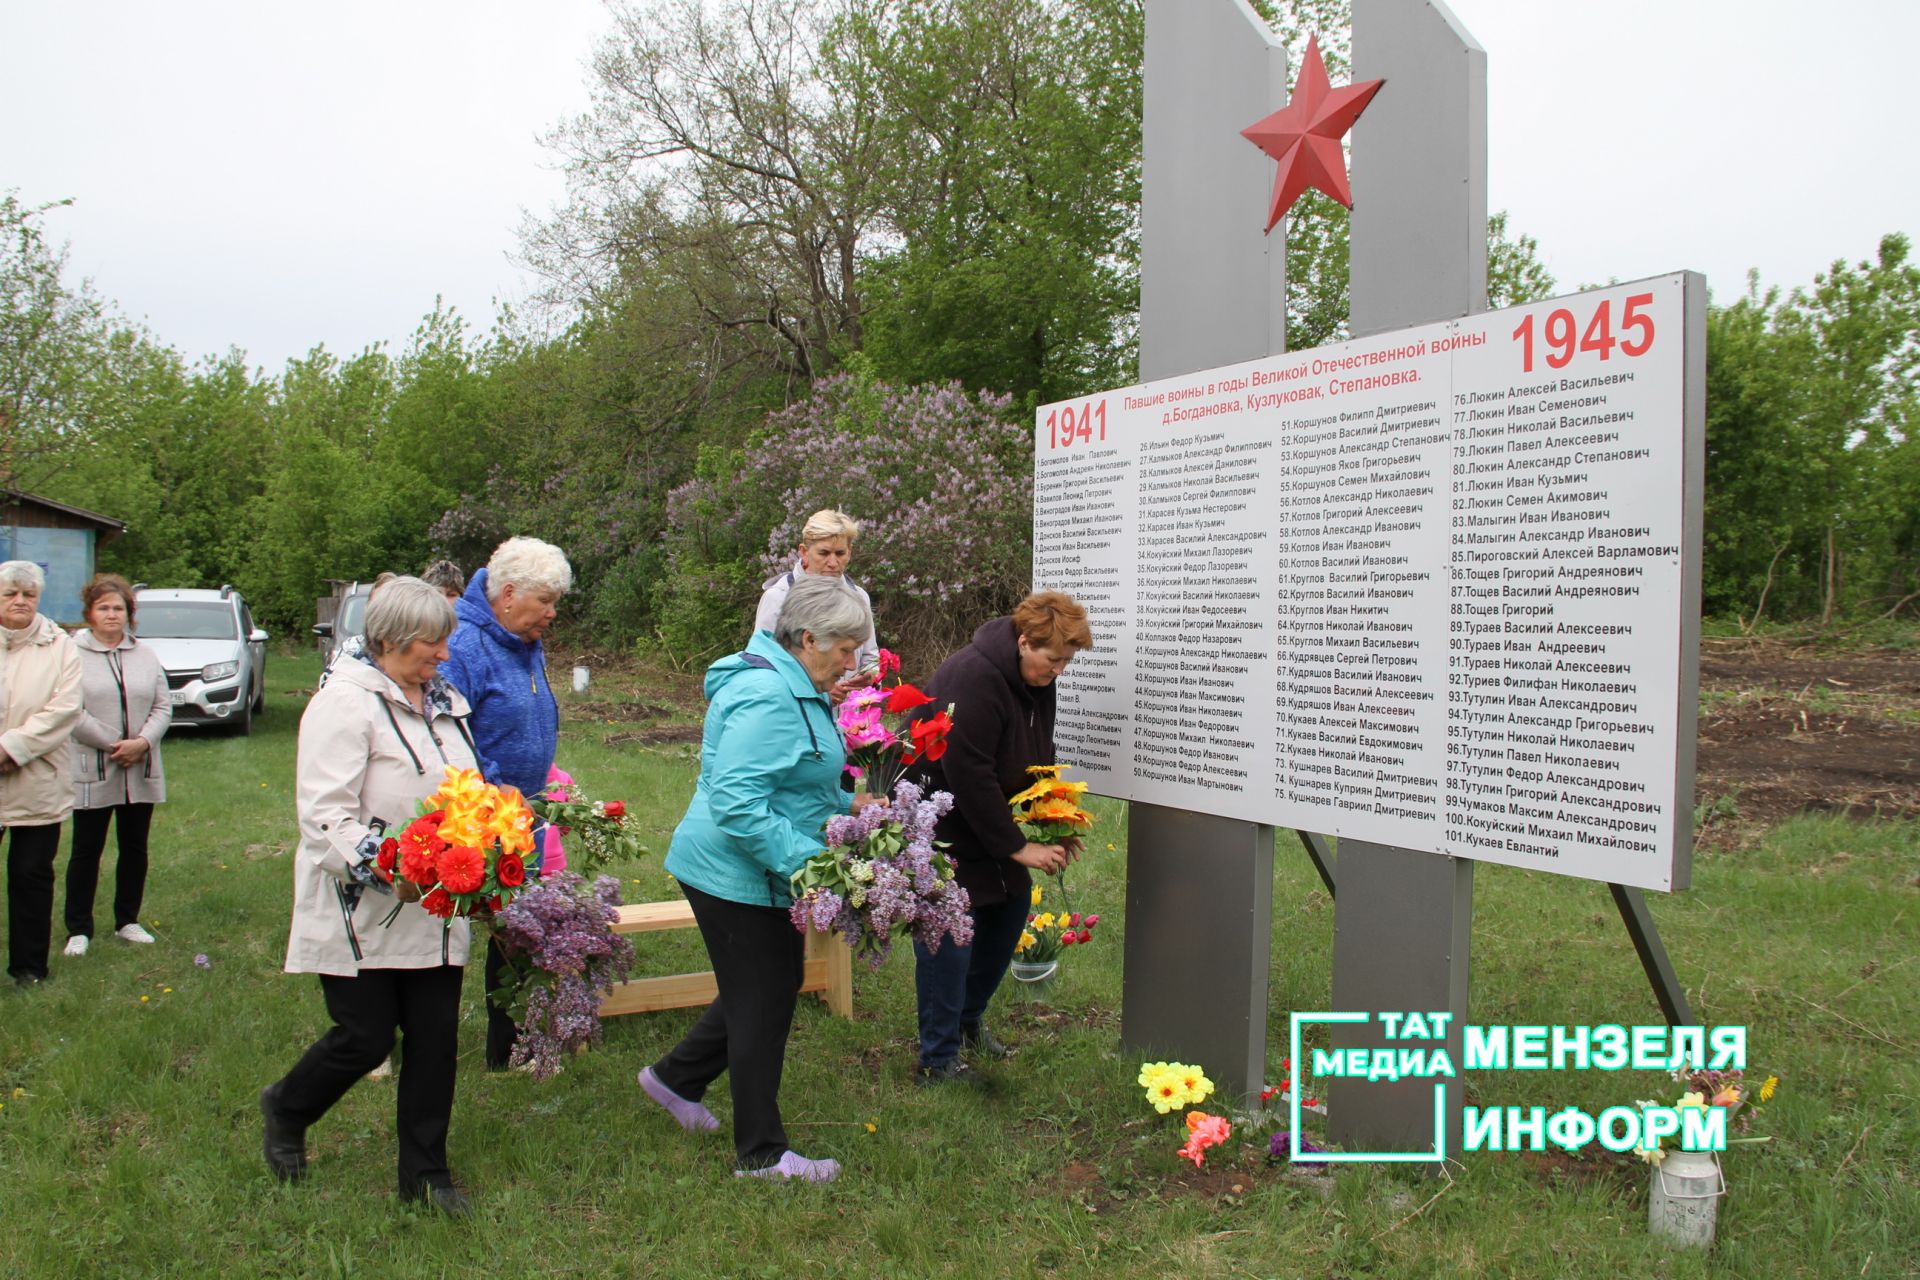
[134, 1148]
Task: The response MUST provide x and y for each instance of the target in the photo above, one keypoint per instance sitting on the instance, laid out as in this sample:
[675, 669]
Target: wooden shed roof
[56, 514]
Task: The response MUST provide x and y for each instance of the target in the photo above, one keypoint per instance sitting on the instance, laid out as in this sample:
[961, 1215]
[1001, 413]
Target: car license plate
[180, 696]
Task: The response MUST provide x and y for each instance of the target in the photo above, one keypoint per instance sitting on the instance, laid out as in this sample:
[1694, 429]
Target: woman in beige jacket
[39, 705]
[374, 742]
[117, 776]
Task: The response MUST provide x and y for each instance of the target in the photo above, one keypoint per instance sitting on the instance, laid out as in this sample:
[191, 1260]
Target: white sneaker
[77, 945]
[132, 933]
[383, 1071]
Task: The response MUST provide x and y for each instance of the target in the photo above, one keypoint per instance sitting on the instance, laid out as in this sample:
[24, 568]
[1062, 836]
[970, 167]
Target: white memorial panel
[1424, 589]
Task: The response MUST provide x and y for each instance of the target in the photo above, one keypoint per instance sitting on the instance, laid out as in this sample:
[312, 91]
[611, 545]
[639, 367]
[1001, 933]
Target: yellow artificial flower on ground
[1766, 1090]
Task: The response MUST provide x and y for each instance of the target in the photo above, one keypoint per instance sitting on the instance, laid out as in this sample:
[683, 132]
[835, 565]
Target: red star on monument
[1304, 136]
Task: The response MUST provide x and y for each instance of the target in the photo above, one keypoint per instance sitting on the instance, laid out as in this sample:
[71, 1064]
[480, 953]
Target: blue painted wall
[67, 557]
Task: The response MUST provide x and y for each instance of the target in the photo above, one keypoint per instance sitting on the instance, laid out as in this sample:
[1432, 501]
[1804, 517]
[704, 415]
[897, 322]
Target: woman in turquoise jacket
[771, 758]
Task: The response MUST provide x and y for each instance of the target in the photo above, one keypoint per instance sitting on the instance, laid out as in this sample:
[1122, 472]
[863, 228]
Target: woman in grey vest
[117, 778]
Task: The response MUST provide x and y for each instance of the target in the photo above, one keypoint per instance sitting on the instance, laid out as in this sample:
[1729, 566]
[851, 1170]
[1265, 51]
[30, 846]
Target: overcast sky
[272, 176]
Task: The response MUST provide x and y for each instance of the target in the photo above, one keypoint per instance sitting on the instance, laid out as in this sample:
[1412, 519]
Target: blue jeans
[955, 983]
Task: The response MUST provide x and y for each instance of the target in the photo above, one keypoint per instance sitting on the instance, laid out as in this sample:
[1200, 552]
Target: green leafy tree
[61, 351]
[1013, 195]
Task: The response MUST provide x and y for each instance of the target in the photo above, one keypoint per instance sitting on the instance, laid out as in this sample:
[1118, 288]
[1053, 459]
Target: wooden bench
[828, 972]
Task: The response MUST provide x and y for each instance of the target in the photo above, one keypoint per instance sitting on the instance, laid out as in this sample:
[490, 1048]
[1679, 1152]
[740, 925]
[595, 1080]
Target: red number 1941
[1565, 338]
[1064, 427]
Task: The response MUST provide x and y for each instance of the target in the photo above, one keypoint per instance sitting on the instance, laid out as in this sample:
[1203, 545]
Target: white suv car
[216, 659]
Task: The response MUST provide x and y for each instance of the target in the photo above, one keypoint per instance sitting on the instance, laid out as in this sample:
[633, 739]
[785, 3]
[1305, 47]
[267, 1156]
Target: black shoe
[449, 1200]
[976, 1039]
[284, 1145]
[955, 1072]
[27, 981]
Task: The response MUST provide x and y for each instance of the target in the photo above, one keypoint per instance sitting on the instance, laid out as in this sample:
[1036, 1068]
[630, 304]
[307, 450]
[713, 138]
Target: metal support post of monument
[1403, 919]
[1212, 292]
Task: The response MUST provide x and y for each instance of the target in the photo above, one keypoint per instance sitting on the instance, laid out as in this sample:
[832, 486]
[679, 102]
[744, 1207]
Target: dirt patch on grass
[1788, 730]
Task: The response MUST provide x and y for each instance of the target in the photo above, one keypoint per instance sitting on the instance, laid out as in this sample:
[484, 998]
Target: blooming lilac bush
[881, 875]
[559, 940]
[940, 479]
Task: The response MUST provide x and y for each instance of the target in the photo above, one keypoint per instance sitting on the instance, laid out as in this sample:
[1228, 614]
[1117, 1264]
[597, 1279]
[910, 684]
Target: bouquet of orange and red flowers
[882, 733]
[466, 850]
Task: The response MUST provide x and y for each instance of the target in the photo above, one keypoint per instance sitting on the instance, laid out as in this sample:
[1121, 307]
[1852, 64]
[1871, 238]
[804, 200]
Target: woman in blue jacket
[496, 660]
[770, 764]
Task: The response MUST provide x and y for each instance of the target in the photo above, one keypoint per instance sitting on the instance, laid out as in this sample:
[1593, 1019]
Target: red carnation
[438, 903]
[388, 855]
[462, 869]
[616, 809]
[418, 864]
[510, 872]
[905, 698]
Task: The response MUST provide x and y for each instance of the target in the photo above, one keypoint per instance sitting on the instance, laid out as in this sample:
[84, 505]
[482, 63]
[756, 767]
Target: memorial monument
[1433, 591]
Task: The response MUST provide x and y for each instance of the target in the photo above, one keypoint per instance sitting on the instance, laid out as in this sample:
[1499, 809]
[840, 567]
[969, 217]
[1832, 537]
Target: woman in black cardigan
[1001, 688]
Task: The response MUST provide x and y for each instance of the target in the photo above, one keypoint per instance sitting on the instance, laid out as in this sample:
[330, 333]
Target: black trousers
[758, 963]
[30, 855]
[501, 1033]
[131, 823]
[424, 1005]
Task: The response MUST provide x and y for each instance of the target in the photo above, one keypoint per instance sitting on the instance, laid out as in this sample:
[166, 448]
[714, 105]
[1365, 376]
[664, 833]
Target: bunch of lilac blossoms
[882, 875]
[559, 939]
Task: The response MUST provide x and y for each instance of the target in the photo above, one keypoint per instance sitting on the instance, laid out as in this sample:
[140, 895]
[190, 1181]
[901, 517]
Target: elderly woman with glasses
[374, 742]
[40, 703]
[770, 765]
[497, 659]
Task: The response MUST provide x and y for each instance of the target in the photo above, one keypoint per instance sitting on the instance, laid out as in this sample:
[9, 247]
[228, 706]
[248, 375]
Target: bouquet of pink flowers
[881, 733]
[881, 875]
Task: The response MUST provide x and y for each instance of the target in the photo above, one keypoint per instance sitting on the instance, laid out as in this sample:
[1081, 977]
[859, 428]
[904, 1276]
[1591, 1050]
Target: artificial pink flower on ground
[1203, 1131]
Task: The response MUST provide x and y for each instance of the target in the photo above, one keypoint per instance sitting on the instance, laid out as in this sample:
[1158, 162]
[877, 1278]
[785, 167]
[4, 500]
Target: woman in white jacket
[826, 547]
[117, 776]
[374, 742]
[39, 705]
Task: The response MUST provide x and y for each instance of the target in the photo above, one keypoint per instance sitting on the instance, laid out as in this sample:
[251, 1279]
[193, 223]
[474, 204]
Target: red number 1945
[1565, 338]
[1064, 427]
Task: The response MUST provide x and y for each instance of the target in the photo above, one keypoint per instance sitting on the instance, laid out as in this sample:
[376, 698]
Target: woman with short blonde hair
[826, 546]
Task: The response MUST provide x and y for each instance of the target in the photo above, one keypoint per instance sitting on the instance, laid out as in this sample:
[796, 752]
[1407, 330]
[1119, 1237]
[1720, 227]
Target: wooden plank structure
[828, 972]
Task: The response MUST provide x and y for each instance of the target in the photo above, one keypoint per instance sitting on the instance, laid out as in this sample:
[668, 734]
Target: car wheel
[242, 726]
[260, 698]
